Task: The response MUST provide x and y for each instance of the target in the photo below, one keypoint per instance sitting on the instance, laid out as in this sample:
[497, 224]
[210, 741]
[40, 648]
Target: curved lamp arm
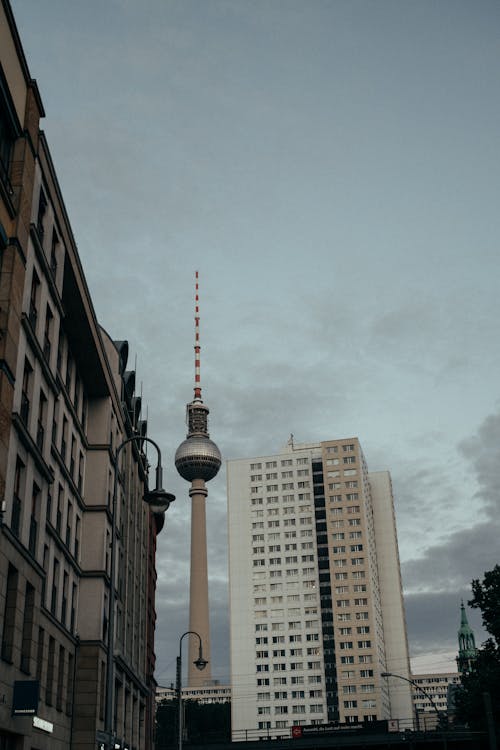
[417, 686]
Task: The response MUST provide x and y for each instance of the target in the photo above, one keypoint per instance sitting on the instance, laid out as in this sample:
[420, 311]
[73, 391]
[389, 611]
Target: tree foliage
[484, 677]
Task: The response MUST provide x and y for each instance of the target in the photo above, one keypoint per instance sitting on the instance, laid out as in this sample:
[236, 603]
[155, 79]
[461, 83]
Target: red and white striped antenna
[197, 381]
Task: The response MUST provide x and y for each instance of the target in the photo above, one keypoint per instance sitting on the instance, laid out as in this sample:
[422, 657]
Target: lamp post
[200, 663]
[439, 713]
[159, 501]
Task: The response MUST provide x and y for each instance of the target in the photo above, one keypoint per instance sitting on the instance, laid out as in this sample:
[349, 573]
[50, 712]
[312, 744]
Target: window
[9, 614]
[316, 708]
[47, 333]
[254, 467]
[346, 645]
[350, 704]
[349, 472]
[349, 459]
[60, 678]
[35, 513]
[348, 448]
[271, 464]
[49, 685]
[347, 659]
[34, 300]
[15, 523]
[55, 584]
[364, 644]
[26, 392]
[346, 689]
[42, 417]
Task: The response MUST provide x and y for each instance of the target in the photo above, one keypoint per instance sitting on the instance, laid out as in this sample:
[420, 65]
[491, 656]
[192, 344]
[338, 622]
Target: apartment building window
[55, 585]
[347, 659]
[9, 615]
[255, 467]
[26, 392]
[348, 447]
[364, 644]
[361, 602]
[34, 300]
[60, 678]
[70, 681]
[272, 475]
[80, 472]
[42, 418]
[53, 252]
[60, 502]
[354, 522]
[15, 523]
[353, 509]
[256, 478]
[64, 439]
[64, 603]
[47, 334]
[271, 464]
[69, 373]
[72, 461]
[35, 514]
[358, 560]
[49, 686]
[42, 210]
[349, 472]
[39, 654]
[349, 459]
[351, 483]
[368, 688]
[350, 704]
[346, 645]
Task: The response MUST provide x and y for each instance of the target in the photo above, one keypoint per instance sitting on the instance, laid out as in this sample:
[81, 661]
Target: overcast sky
[332, 168]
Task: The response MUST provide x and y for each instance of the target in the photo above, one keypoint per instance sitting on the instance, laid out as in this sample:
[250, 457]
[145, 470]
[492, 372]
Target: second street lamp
[441, 716]
[200, 663]
[159, 501]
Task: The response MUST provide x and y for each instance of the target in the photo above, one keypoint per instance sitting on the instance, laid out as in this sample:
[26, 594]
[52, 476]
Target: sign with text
[25, 697]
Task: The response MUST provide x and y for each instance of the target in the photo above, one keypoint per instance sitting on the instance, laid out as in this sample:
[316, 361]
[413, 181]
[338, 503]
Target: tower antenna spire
[197, 380]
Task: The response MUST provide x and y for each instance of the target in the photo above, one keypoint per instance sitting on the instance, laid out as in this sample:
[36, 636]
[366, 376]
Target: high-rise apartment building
[316, 606]
[67, 401]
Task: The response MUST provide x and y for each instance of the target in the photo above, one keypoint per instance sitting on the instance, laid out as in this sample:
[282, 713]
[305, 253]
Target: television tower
[198, 460]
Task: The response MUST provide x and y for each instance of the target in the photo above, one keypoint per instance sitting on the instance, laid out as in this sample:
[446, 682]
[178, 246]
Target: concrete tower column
[198, 585]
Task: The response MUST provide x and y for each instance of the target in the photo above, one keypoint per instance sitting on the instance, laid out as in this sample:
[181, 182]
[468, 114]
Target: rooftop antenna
[197, 381]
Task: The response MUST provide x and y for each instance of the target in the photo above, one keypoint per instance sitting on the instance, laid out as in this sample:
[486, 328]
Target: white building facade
[316, 607]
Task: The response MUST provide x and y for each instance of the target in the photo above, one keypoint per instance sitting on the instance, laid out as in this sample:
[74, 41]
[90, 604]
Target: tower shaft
[198, 586]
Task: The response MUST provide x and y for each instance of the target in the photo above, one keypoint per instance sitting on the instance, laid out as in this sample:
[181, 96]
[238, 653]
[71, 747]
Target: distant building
[214, 693]
[316, 605]
[437, 686]
[67, 401]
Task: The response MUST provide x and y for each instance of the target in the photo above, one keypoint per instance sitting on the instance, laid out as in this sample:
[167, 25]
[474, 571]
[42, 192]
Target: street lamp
[200, 663]
[159, 501]
[439, 713]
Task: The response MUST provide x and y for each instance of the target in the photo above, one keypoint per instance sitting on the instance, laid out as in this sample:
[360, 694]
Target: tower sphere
[198, 457]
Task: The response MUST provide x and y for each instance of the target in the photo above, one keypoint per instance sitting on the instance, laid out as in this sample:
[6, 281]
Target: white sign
[45, 726]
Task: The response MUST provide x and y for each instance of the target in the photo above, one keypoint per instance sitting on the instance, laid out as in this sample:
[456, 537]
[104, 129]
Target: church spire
[466, 643]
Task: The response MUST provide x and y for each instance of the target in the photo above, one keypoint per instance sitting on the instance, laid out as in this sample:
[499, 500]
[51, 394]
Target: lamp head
[386, 674]
[200, 663]
[158, 500]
